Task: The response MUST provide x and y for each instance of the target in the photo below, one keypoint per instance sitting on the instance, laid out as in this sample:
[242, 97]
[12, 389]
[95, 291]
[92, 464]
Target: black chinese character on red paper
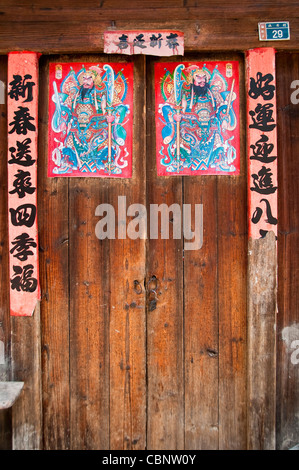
[261, 86]
[21, 246]
[22, 121]
[22, 184]
[23, 215]
[21, 87]
[262, 181]
[23, 279]
[21, 154]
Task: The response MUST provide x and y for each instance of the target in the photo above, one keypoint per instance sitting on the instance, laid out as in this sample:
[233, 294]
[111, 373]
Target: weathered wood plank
[4, 273]
[288, 241]
[262, 271]
[232, 264]
[26, 367]
[54, 277]
[107, 315]
[89, 318]
[201, 318]
[5, 415]
[201, 321]
[204, 34]
[211, 306]
[127, 298]
[5, 429]
[89, 281]
[262, 285]
[232, 314]
[144, 10]
[165, 309]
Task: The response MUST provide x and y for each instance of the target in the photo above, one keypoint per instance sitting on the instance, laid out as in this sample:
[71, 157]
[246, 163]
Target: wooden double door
[140, 343]
[136, 344]
[143, 342]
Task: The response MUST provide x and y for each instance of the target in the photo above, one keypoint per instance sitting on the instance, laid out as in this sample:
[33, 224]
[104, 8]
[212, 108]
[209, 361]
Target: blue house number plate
[274, 31]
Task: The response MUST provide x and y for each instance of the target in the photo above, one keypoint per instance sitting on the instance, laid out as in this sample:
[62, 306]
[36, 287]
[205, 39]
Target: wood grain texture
[232, 291]
[107, 316]
[232, 263]
[26, 367]
[56, 10]
[262, 306]
[5, 363]
[53, 213]
[4, 247]
[116, 376]
[215, 308]
[6, 429]
[288, 255]
[127, 334]
[165, 309]
[202, 322]
[201, 318]
[58, 31]
[89, 319]
[89, 266]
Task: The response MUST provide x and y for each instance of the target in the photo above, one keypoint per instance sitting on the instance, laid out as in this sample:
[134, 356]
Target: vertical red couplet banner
[22, 114]
[261, 141]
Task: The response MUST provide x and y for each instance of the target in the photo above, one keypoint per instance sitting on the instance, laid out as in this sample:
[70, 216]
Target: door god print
[197, 118]
[90, 120]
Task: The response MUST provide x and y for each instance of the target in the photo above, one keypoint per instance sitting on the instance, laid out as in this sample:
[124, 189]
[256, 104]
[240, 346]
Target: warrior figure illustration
[203, 106]
[89, 112]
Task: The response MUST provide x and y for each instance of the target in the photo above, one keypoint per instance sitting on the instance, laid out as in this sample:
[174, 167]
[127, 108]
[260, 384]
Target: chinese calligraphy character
[139, 41]
[262, 117]
[263, 233]
[21, 123]
[22, 243]
[20, 87]
[261, 150]
[22, 184]
[263, 181]
[23, 280]
[23, 215]
[156, 40]
[123, 42]
[172, 41]
[258, 214]
[23, 156]
[261, 87]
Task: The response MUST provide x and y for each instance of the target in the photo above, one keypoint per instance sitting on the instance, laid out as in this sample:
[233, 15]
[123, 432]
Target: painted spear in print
[230, 98]
[110, 118]
[178, 83]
